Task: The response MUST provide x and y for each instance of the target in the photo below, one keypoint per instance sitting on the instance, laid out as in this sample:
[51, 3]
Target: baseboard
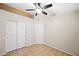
[30, 44]
[48, 46]
[34, 44]
[61, 50]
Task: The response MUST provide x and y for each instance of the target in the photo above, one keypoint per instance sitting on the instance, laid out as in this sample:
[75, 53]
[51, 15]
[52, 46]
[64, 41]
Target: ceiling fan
[39, 8]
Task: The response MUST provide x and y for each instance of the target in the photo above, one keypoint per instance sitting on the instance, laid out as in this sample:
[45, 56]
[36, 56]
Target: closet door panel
[10, 41]
[20, 35]
[39, 30]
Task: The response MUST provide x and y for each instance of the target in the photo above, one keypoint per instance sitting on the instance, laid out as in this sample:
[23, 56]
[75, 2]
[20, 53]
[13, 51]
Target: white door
[20, 35]
[10, 41]
[39, 33]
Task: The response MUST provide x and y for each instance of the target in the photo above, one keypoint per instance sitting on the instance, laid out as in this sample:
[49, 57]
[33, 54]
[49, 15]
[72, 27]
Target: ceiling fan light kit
[38, 10]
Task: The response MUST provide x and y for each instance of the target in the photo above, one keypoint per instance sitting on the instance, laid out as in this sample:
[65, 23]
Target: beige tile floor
[37, 50]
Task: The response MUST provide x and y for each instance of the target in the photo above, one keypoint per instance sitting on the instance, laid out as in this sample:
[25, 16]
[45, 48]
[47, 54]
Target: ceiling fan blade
[36, 14]
[44, 12]
[30, 9]
[39, 5]
[35, 5]
[47, 6]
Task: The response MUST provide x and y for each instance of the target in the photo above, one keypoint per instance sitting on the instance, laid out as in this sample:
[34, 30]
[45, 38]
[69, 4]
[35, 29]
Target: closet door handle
[6, 37]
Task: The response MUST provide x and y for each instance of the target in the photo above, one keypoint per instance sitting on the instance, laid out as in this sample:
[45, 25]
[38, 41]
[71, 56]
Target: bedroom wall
[7, 16]
[62, 32]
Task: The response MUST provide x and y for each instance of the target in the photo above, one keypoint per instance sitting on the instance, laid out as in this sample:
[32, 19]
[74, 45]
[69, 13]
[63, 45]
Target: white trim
[27, 45]
[60, 50]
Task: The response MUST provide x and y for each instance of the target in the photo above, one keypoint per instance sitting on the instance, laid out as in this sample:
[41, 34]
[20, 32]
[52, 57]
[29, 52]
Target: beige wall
[7, 16]
[62, 32]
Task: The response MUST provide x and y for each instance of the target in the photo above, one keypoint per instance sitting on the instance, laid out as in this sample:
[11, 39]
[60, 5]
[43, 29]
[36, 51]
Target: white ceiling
[56, 8]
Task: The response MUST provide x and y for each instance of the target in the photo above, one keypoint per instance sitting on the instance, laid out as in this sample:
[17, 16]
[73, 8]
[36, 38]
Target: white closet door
[20, 35]
[10, 41]
[39, 33]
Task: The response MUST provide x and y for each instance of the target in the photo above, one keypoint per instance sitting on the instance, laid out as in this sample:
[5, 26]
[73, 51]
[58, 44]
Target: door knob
[7, 37]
